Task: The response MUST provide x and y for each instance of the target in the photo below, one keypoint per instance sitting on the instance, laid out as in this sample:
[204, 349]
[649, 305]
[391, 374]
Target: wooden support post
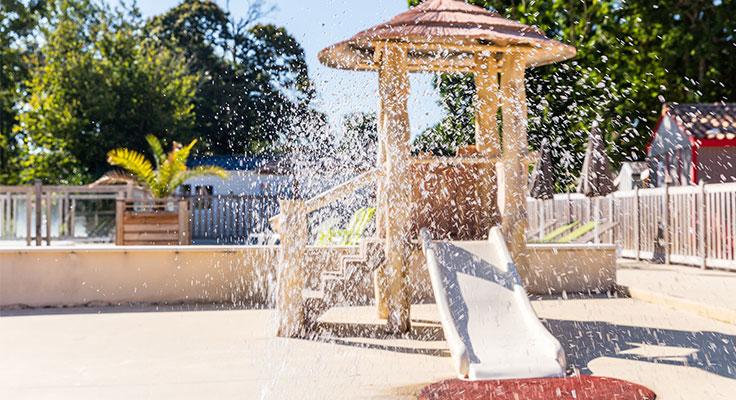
[380, 287]
[514, 113]
[394, 83]
[380, 159]
[487, 140]
[38, 188]
[294, 236]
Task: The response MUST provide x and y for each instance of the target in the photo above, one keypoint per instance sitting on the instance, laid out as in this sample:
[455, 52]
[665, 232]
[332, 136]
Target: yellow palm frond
[171, 169]
[134, 162]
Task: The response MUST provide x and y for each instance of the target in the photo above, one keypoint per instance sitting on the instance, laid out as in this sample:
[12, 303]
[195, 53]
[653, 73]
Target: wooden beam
[380, 288]
[380, 159]
[394, 78]
[455, 160]
[487, 140]
[515, 146]
[291, 276]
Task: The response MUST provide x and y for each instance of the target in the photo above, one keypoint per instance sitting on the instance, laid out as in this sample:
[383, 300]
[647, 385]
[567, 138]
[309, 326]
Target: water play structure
[489, 323]
[454, 198]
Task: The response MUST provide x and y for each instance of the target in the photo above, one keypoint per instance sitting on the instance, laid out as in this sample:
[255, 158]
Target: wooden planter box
[152, 222]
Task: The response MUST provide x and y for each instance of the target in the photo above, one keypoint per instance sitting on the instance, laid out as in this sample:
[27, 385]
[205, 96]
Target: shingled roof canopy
[705, 121]
[444, 35]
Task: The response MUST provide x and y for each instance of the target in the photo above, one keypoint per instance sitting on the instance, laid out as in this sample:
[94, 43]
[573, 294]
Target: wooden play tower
[438, 36]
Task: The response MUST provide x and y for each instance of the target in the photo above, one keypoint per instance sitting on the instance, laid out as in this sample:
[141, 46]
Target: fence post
[129, 190]
[28, 217]
[637, 223]
[542, 221]
[611, 219]
[596, 219]
[702, 221]
[185, 235]
[37, 188]
[119, 214]
[667, 224]
[73, 217]
[48, 218]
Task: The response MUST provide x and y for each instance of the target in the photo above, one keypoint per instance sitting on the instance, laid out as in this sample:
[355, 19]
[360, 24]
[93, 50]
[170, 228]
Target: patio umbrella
[542, 186]
[596, 178]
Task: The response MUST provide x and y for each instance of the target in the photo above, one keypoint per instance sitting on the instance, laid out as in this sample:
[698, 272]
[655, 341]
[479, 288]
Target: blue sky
[320, 23]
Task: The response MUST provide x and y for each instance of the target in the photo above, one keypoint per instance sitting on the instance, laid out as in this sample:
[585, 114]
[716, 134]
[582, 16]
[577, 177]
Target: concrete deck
[708, 293]
[179, 353]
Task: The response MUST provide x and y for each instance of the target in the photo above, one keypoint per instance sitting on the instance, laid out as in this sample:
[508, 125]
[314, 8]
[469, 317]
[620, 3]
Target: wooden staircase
[351, 284]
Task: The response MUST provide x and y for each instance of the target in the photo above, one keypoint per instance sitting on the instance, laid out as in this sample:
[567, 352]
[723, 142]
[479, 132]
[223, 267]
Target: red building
[693, 142]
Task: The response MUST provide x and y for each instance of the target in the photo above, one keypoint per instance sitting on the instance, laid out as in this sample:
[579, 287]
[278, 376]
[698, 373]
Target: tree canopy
[253, 77]
[80, 78]
[632, 56]
[98, 84]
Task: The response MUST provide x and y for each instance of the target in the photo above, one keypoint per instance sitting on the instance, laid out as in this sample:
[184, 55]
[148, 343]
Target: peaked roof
[704, 121]
[596, 178]
[543, 180]
[453, 23]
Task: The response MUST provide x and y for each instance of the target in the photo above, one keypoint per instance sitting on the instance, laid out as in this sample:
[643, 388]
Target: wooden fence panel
[230, 219]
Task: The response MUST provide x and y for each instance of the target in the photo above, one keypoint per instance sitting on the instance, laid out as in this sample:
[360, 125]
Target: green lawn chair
[322, 230]
[577, 233]
[550, 237]
[351, 234]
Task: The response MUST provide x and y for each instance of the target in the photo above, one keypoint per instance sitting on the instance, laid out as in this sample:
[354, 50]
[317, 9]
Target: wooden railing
[684, 224]
[41, 213]
[332, 195]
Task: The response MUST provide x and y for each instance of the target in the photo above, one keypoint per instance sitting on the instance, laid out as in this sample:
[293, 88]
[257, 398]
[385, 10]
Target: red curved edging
[583, 387]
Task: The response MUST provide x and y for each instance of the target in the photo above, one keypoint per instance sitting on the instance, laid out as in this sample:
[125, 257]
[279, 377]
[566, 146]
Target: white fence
[684, 224]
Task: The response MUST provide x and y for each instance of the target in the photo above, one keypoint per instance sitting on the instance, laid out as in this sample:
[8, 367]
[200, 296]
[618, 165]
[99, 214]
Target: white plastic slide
[489, 323]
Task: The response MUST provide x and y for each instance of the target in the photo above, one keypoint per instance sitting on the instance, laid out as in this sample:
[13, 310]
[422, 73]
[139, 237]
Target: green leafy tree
[170, 169]
[254, 86]
[99, 84]
[18, 21]
[632, 56]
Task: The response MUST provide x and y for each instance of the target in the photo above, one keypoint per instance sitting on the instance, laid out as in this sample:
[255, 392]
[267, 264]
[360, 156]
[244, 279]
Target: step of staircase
[351, 285]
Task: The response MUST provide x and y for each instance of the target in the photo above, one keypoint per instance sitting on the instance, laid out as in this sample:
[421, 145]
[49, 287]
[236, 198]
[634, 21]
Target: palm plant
[171, 169]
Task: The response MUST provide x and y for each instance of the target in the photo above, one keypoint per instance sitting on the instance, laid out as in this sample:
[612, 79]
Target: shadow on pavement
[585, 341]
